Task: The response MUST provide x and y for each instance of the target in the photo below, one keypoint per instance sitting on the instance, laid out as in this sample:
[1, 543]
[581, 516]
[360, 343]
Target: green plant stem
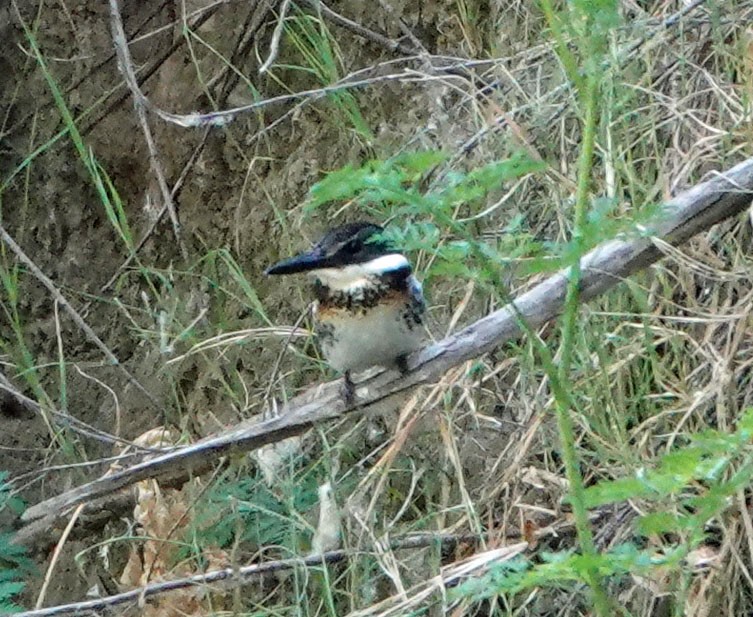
[567, 58]
[589, 99]
[588, 87]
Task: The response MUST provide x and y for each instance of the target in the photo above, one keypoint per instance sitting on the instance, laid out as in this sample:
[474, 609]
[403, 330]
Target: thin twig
[283, 348]
[125, 64]
[255, 19]
[78, 320]
[225, 116]
[232, 577]
[151, 70]
[276, 36]
[56, 557]
[419, 46]
[360, 30]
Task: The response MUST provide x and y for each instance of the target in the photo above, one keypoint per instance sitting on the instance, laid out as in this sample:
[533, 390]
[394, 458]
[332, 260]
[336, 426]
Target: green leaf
[657, 523]
[418, 163]
[10, 589]
[15, 564]
[614, 491]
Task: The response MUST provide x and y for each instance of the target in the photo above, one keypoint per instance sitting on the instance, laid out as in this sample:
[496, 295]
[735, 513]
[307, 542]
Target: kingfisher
[369, 306]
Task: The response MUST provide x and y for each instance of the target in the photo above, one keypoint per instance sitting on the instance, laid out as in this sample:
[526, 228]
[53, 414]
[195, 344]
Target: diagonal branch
[22, 257]
[696, 210]
[125, 64]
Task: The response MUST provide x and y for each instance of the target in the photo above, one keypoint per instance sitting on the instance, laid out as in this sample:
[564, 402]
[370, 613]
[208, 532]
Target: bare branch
[232, 577]
[694, 211]
[276, 36]
[139, 103]
[360, 29]
[77, 319]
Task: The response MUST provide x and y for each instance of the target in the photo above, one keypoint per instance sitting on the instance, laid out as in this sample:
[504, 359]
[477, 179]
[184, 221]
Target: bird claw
[401, 362]
[348, 389]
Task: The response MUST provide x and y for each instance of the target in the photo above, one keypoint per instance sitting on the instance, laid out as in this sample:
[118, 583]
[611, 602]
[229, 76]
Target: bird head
[345, 257]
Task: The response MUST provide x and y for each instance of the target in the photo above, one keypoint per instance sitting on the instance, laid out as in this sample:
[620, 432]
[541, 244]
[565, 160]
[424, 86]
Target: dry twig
[126, 68]
[78, 320]
[232, 577]
[359, 29]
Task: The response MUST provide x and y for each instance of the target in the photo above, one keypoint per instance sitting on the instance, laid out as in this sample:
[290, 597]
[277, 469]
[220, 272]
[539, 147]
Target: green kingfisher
[369, 307]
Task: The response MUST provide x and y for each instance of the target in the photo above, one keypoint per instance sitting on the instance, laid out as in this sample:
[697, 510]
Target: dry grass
[666, 356]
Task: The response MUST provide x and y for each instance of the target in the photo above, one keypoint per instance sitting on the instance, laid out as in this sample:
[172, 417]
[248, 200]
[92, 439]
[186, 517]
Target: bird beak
[305, 262]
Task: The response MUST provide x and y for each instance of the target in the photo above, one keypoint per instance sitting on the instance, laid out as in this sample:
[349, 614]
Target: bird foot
[401, 362]
[348, 389]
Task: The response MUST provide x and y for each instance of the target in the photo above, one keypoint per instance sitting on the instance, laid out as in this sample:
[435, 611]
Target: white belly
[377, 337]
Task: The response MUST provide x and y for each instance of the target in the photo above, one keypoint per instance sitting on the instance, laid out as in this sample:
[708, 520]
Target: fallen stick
[228, 578]
[693, 211]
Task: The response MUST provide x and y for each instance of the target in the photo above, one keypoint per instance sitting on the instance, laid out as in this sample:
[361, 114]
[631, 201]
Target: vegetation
[601, 465]
[15, 564]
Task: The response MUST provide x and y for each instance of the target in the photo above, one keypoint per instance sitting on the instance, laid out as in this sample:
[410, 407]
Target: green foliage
[102, 184]
[12, 321]
[7, 499]
[261, 515]
[397, 184]
[587, 26]
[318, 48]
[439, 210]
[396, 188]
[377, 181]
[562, 570]
[113, 205]
[701, 477]
[15, 565]
[583, 33]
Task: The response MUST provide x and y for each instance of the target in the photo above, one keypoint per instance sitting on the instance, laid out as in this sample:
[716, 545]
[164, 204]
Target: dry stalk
[229, 578]
[126, 67]
[72, 313]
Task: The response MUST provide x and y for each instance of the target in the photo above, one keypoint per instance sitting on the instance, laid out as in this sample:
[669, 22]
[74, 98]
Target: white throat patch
[358, 275]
